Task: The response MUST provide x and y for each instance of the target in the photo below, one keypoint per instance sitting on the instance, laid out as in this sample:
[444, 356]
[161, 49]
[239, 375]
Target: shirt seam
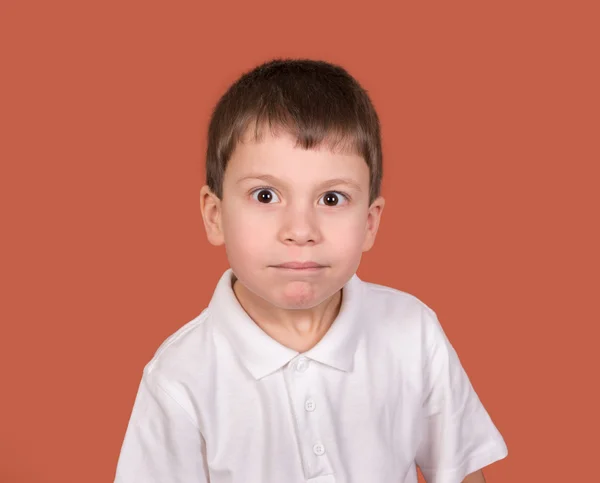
[175, 337]
[187, 414]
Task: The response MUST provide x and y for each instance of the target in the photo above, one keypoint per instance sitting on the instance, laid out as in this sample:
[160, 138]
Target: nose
[299, 225]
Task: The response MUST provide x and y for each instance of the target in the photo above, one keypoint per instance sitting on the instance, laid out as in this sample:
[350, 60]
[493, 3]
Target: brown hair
[315, 101]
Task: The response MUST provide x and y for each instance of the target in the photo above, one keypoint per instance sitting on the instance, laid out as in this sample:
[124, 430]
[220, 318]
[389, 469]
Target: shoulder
[402, 320]
[395, 307]
[184, 351]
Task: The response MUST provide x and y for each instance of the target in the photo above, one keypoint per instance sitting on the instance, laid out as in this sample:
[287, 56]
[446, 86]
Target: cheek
[346, 235]
[246, 232]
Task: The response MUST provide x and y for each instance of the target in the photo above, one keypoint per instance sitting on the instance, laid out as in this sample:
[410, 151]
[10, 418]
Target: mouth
[300, 266]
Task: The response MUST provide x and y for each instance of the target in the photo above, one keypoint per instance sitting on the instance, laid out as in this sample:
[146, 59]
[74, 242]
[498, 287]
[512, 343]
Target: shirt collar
[262, 355]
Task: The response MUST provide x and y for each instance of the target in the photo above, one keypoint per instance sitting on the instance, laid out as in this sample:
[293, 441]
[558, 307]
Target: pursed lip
[299, 265]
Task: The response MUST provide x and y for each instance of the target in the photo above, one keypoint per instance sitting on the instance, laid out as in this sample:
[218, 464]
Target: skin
[318, 210]
[294, 307]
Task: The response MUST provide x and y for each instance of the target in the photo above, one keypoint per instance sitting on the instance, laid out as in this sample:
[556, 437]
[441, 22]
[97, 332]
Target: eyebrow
[330, 182]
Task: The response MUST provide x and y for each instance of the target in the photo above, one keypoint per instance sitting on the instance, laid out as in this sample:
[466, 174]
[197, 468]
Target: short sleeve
[458, 435]
[162, 442]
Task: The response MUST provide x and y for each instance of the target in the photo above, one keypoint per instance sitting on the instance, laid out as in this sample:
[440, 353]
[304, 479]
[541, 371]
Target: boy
[298, 371]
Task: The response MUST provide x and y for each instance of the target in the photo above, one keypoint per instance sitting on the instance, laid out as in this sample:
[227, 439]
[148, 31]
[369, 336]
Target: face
[294, 222]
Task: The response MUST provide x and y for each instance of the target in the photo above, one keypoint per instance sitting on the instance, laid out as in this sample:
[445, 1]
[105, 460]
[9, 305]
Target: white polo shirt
[383, 391]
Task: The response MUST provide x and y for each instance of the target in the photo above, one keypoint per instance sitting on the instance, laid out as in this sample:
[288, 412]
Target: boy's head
[293, 169]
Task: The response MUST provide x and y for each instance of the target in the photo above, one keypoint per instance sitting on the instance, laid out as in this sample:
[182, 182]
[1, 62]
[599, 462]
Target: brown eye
[333, 198]
[265, 196]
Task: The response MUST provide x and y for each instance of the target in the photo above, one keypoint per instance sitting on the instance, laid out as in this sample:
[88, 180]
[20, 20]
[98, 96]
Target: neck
[300, 329]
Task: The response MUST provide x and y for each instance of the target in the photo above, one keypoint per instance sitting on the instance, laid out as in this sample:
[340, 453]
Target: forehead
[278, 153]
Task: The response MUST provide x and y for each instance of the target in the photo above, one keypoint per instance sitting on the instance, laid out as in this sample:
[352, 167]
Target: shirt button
[319, 449]
[310, 405]
[302, 365]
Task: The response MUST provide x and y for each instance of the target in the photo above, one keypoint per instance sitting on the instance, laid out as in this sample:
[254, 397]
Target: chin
[300, 295]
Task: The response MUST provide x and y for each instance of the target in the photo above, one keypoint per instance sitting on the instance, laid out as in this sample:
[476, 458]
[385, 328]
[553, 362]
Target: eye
[333, 198]
[265, 195]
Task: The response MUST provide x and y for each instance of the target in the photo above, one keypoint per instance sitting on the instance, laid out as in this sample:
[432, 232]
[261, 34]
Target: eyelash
[256, 190]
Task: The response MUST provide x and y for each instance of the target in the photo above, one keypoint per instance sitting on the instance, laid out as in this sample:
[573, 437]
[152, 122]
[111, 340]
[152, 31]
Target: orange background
[491, 132]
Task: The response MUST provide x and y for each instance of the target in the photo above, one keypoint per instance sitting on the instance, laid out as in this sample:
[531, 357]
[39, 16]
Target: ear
[210, 207]
[373, 219]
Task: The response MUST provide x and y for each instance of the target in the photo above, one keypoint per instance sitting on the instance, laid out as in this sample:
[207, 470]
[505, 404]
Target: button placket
[303, 377]
[319, 449]
[302, 365]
